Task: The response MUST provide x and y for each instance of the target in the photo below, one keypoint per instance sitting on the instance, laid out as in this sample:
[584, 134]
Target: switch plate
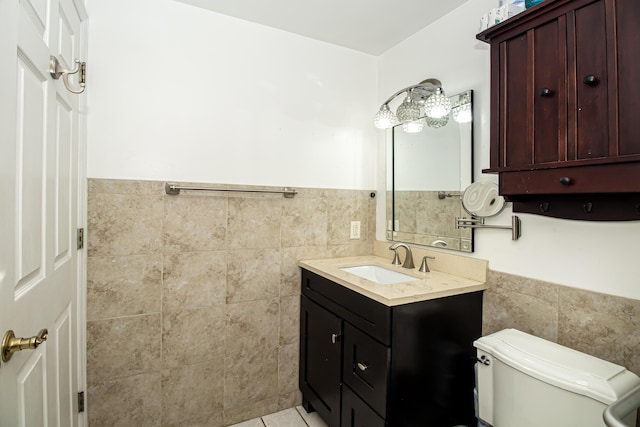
[355, 230]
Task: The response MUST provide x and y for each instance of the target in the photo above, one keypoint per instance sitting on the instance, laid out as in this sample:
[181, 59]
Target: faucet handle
[424, 268]
[396, 257]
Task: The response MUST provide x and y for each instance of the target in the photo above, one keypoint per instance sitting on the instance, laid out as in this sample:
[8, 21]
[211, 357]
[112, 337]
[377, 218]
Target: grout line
[300, 415]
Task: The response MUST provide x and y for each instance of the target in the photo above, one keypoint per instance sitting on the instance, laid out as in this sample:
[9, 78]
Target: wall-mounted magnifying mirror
[481, 199]
[429, 166]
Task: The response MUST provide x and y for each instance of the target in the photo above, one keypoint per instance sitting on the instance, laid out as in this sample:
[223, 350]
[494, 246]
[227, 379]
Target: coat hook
[56, 70]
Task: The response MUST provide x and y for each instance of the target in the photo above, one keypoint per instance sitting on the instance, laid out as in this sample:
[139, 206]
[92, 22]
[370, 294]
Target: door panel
[64, 173]
[514, 140]
[29, 196]
[39, 280]
[32, 390]
[592, 98]
[628, 63]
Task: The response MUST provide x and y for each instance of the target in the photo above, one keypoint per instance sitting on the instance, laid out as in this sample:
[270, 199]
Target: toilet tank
[526, 381]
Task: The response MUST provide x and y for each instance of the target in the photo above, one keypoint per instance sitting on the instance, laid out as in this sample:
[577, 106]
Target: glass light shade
[437, 122]
[437, 105]
[385, 118]
[408, 111]
[413, 127]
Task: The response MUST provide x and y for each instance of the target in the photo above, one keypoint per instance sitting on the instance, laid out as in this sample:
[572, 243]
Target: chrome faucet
[408, 260]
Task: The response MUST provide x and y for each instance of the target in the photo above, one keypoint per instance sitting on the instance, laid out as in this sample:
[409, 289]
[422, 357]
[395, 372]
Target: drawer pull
[335, 338]
[590, 80]
[565, 180]
[545, 92]
[362, 366]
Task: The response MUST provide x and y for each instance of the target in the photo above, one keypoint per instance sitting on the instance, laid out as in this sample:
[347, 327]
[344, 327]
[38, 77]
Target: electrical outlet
[355, 230]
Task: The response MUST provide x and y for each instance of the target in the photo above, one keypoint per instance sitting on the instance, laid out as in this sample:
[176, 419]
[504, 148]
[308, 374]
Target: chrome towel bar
[174, 190]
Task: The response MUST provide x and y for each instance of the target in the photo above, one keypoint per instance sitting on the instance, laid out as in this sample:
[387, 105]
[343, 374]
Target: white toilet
[526, 381]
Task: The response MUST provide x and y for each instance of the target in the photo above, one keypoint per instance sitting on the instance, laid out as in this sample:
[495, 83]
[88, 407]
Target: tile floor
[293, 417]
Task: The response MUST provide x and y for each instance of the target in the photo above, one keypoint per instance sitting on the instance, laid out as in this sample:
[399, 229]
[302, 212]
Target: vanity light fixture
[417, 97]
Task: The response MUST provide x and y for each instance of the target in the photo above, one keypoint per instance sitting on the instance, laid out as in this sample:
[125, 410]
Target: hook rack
[56, 70]
[475, 222]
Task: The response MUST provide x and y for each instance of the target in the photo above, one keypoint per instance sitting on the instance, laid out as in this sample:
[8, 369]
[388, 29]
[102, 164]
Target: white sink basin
[378, 274]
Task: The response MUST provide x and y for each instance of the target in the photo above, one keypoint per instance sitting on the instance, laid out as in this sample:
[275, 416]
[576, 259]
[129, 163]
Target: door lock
[11, 344]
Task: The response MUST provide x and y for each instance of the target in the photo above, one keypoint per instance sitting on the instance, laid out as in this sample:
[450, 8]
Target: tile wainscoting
[601, 325]
[193, 300]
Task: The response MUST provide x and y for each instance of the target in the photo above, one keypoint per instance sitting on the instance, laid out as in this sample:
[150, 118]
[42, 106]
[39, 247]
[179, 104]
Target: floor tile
[257, 422]
[287, 418]
[312, 419]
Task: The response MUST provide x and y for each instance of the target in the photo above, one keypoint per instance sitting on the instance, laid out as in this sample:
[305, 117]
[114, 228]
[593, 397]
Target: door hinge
[81, 401]
[80, 238]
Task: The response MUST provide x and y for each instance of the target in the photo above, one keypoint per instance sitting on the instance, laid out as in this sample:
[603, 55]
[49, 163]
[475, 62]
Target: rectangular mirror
[427, 173]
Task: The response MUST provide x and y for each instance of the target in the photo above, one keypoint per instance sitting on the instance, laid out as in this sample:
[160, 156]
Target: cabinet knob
[545, 91]
[565, 180]
[362, 366]
[590, 80]
[335, 338]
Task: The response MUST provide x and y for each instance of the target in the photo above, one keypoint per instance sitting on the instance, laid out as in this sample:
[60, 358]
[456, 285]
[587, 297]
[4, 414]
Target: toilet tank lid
[558, 365]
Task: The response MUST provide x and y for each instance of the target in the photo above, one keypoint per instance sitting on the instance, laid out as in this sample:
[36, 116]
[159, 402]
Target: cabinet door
[533, 96]
[320, 360]
[356, 413]
[628, 84]
[587, 41]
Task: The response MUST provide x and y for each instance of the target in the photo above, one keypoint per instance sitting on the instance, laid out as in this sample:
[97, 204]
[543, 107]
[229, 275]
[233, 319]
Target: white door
[40, 186]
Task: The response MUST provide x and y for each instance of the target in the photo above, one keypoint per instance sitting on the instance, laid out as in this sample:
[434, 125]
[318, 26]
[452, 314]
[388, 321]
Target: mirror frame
[467, 242]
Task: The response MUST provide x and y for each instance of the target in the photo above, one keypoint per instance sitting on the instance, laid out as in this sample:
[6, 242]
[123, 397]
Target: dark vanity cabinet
[365, 364]
[565, 96]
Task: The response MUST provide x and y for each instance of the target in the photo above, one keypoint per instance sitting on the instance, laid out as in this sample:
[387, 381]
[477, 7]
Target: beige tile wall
[193, 300]
[602, 325]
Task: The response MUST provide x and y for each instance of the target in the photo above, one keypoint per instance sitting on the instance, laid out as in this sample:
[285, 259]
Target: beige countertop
[426, 286]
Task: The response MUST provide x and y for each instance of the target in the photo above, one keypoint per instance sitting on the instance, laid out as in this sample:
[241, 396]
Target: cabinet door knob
[545, 91]
[565, 180]
[362, 366]
[335, 338]
[591, 80]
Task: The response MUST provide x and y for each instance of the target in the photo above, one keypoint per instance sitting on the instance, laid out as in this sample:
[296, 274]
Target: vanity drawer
[366, 367]
[368, 315]
[356, 413]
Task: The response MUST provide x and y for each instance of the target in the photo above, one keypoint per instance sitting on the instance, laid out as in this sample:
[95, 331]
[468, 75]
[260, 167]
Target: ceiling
[370, 26]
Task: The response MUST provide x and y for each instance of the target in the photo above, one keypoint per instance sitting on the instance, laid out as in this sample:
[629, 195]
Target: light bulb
[437, 105]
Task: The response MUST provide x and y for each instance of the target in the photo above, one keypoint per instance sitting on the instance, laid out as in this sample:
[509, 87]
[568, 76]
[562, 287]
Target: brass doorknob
[11, 344]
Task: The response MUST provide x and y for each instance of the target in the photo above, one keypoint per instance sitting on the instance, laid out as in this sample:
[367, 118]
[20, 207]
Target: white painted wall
[179, 93]
[598, 256]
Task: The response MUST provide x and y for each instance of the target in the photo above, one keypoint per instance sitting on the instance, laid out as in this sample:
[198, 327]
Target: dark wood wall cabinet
[365, 364]
[565, 109]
